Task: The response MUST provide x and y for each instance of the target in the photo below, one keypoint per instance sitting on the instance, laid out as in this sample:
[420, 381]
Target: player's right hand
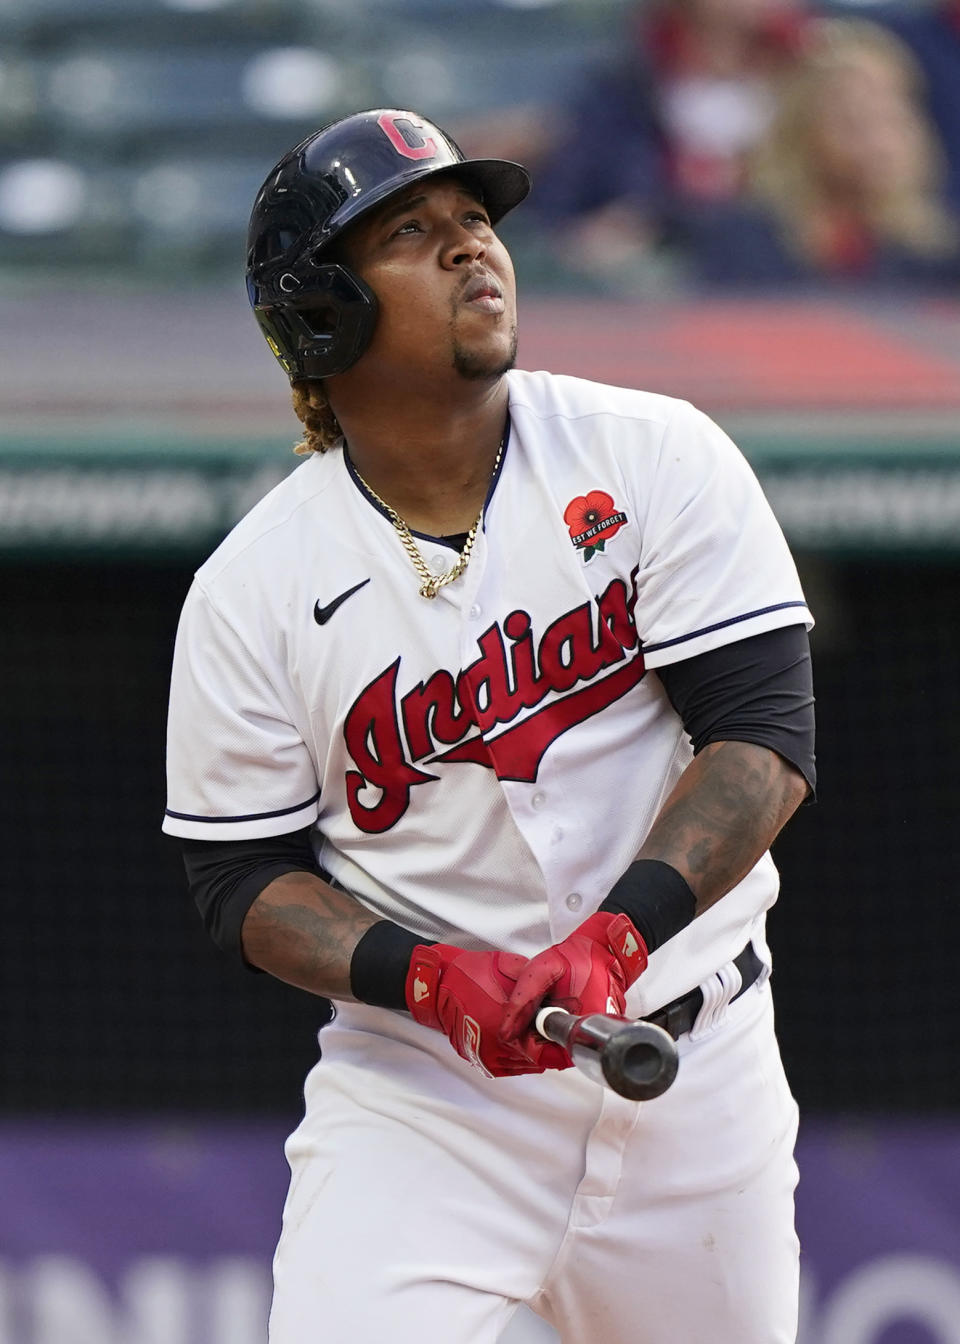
[464, 994]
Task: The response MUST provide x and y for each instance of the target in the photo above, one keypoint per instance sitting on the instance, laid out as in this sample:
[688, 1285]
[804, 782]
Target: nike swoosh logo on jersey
[322, 614]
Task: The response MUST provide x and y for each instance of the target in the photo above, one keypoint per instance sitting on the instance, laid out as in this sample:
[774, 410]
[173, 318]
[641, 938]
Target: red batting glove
[464, 995]
[589, 972]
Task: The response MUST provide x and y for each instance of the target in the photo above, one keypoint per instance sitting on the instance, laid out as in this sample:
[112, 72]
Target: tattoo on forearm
[725, 810]
[304, 932]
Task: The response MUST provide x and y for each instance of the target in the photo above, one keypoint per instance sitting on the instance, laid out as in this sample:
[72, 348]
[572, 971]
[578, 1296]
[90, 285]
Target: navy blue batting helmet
[317, 315]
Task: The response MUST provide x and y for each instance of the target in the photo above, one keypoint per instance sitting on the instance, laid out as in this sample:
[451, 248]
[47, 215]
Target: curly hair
[321, 427]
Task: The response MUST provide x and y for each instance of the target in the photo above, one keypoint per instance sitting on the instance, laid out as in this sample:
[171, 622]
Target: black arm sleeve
[756, 690]
[225, 877]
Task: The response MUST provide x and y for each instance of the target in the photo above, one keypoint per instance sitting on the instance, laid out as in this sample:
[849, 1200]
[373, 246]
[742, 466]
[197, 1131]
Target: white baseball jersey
[482, 767]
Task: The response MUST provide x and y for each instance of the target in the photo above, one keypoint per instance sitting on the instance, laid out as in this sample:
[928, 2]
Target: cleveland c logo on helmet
[392, 123]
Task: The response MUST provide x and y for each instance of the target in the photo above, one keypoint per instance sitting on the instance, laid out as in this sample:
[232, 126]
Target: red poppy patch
[593, 520]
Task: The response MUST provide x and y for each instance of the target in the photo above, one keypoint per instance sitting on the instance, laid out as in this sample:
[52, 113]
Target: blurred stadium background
[146, 1084]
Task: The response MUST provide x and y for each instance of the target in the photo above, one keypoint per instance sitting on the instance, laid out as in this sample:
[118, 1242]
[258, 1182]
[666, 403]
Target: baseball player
[496, 702]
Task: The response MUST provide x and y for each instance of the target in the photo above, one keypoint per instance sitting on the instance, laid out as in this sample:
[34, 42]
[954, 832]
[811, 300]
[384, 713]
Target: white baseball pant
[427, 1202]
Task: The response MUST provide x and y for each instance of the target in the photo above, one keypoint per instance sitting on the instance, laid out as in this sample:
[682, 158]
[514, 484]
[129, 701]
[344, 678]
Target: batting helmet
[317, 315]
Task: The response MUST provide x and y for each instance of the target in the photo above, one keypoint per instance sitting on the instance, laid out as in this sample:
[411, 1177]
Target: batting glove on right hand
[464, 995]
[589, 972]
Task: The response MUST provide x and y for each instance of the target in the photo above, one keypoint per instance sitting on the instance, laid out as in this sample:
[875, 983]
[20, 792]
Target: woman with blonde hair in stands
[847, 184]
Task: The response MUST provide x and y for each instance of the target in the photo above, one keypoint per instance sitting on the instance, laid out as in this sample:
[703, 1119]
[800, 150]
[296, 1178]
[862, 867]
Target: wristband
[379, 965]
[656, 898]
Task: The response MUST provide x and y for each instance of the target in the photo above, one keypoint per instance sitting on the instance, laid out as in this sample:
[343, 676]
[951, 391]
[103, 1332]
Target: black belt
[679, 1016]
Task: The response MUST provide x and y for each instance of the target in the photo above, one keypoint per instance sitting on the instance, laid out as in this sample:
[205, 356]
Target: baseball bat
[636, 1059]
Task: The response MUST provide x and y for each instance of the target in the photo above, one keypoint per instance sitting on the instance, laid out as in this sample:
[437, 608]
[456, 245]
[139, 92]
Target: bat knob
[636, 1059]
[640, 1062]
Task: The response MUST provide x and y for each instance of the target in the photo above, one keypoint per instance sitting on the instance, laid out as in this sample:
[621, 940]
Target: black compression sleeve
[755, 690]
[225, 877]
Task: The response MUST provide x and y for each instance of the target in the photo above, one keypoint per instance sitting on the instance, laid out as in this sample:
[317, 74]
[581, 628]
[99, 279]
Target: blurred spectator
[715, 65]
[848, 182]
[673, 122]
[934, 36]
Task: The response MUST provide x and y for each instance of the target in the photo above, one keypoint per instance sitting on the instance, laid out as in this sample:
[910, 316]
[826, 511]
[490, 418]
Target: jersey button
[574, 901]
[438, 563]
[538, 799]
[475, 612]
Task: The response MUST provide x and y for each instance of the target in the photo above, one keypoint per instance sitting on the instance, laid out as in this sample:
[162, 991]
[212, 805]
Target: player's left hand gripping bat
[636, 1059]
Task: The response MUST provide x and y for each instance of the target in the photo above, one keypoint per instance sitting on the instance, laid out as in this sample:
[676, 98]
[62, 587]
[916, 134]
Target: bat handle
[636, 1059]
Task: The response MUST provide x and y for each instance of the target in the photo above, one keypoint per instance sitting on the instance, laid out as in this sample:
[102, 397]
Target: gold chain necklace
[432, 583]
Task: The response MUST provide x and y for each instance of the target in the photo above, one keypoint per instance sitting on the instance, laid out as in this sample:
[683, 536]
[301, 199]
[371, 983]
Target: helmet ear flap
[321, 327]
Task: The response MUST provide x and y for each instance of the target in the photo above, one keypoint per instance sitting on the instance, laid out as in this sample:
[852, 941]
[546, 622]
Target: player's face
[443, 280]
